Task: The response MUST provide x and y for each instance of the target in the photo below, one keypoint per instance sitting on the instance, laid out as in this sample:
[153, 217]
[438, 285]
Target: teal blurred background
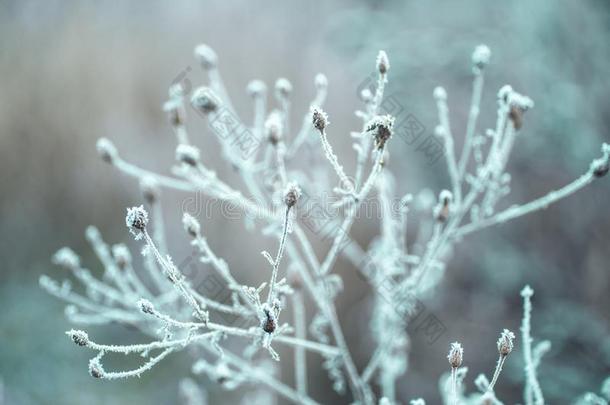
[75, 71]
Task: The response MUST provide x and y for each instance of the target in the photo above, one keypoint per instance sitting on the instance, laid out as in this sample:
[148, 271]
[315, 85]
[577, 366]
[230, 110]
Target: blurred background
[76, 71]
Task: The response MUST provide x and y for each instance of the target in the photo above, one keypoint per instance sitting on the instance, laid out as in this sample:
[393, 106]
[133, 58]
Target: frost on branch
[298, 313]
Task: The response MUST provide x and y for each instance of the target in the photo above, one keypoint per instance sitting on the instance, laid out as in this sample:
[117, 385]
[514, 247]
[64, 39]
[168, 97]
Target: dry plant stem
[306, 128]
[230, 330]
[532, 387]
[181, 134]
[176, 278]
[103, 253]
[245, 204]
[477, 91]
[332, 158]
[135, 373]
[163, 181]
[278, 258]
[300, 360]
[443, 116]
[372, 365]
[108, 313]
[454, 395]
[520, 210]
[365, 141]
[329, 261]
[497, 372]
[264, 378]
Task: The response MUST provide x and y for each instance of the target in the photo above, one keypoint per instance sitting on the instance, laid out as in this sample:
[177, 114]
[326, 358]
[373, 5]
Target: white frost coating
[175, 314]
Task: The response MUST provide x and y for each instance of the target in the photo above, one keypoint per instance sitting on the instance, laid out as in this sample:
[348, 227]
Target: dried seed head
[106, 150]
[79, 337]
[150, 189]
[456, 354]
[292, 194]
[383, 64]
[321, 81]
[176, 114]
[121, 255]
[443, 207]
[517, 104]
[136, 220]
[439, 131]
[268, 320]
[527, 292]
[318, 118]
[206, 56]
[95, 368]
[66, 258]
[274, 127]
[481, 56]
[283, 87]
[187, 154]
[205, 100]
[366, 95]
[599, 167]
[256, 89]
[439, 93]
[191, 226]
[505, 342]
[381, 128]
[146, 306]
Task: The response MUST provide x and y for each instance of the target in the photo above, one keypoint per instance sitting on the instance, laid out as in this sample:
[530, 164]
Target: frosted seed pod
[366, 95]
[79, 337]
[383, 63]
[505, 342]
[319, 118]
[321, 81]
[443, 207]
[188, 154]
[106, 150]
[150, 189]
[95, 368]
[206, 56]
[274, 127]
[191, 226]
[136, 220]
[268, 320]
[256, 89]
[292, 194]
[205, 100]
[481, 56]
[381, 128]
[456, 354]
[66, 258]
[121, 255]
[146, 306]
[439, 93]
[283, 87]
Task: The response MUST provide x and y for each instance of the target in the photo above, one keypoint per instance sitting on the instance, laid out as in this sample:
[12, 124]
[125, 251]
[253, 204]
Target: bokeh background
[72, 72]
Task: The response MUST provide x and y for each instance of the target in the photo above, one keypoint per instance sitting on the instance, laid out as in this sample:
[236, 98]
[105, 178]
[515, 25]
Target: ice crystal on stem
[158, 299]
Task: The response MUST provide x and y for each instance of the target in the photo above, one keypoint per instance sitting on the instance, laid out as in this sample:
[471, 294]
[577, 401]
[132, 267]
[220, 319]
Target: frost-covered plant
[162, 303]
